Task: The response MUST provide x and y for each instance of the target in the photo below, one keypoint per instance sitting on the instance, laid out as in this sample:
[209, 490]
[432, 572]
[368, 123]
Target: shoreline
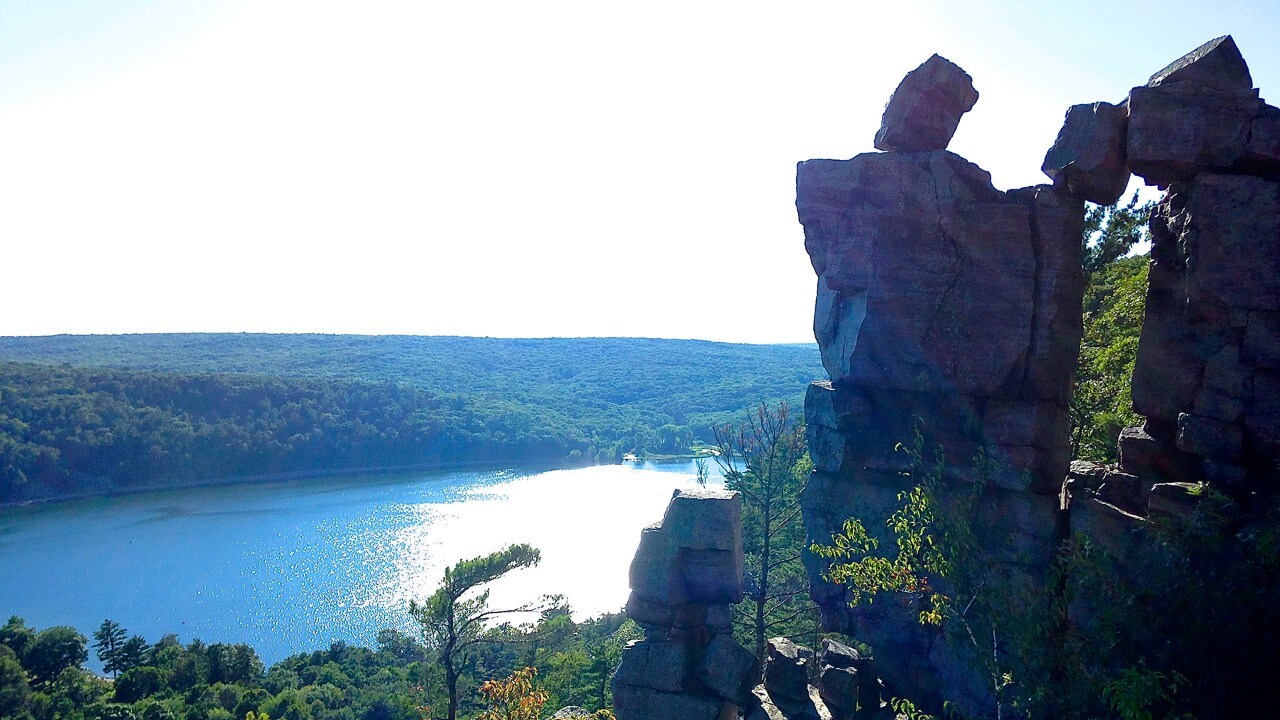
[269, 478]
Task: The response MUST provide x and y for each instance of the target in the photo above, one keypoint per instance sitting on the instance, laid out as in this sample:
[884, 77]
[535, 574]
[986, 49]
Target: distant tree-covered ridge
[92, 413]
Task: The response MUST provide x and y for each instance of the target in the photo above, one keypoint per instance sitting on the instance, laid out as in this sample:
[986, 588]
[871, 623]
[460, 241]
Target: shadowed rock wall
[944, 301]
[945, 304]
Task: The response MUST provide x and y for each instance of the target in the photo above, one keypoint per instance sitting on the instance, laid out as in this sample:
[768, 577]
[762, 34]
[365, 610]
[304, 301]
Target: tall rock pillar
[948, 305]
[686, 574]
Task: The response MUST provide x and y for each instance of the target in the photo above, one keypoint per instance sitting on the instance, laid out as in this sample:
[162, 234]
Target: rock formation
[686, 574]
[842, 678]
[945, 302]
[1208, 371]
[924, 111]
[946, 305]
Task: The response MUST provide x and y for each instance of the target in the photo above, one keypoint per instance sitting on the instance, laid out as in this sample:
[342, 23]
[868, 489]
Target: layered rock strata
[948, 306]
[686, 574]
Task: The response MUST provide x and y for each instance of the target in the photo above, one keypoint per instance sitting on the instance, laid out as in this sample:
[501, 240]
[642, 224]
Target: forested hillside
[106, 412]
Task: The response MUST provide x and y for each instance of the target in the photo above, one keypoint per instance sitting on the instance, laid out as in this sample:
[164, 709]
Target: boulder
[1262, 423]
[1261, 346]
[1124, 491]
[693, 555]
[925, 109]
[1222, 388]
[1173, 499]
[948, 305]
[786, 670]
[838, 688]
[838, 655]
[1263, 153]
[1198, 114]
[1089, 156]
[1178, 131]
[637, 702]
[1217, 65]
[922, 260]
[838, 679]
[573, 712]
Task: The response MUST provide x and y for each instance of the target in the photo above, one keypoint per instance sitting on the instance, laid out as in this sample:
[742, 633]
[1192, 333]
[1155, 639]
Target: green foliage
[1101, 405]
[1138, 693]
[764, 458]
[81, 412]
[1114, 302]
[1112, 231]
[1183, 625]
[907, 710]
[53, 651]
[108, 639]
[513, 697]
[933, 538]
[15, 687]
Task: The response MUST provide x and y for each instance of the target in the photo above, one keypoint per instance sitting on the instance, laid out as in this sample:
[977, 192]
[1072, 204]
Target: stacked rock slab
[1208, 371]
[686, 574]
[946, 305]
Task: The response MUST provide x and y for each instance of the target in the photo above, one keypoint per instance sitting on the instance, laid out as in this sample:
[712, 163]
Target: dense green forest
[92, 413]
[42, 675]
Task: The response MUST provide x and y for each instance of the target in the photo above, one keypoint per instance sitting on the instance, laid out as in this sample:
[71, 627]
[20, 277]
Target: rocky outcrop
[1208, 369]
[686, 574]
[1208, 372]
[945, 302]
[948, 306]
[841, 686]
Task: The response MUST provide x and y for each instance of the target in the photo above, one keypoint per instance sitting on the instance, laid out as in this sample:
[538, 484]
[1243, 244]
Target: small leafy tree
[1114, 304]
[936, 564]
[453, 619]
[514, 697]
[55, 649]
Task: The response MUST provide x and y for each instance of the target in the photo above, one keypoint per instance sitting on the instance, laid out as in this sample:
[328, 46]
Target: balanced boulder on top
[924, 111]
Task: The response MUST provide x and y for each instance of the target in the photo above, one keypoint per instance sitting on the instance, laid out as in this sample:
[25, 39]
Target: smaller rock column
[685, 575]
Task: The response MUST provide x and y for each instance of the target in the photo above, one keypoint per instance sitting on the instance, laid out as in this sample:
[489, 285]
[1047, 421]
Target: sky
[488, 168]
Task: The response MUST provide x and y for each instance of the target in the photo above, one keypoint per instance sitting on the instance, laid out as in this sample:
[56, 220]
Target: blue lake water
[293, 566]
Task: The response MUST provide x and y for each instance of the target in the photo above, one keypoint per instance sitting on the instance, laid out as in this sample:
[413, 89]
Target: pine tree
[108, 641]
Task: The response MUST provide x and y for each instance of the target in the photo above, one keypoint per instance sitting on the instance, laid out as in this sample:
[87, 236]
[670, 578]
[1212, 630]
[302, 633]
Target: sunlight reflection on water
[293, 566]
[586, 523]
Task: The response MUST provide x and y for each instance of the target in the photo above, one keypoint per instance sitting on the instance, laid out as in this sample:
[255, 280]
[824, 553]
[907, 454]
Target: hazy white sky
[518, 169]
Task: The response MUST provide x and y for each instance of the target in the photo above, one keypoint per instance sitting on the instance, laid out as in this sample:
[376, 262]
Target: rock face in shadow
[947, 306]
[686, 574]
[1208, 372]
[1089, 157]
[946, 302]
